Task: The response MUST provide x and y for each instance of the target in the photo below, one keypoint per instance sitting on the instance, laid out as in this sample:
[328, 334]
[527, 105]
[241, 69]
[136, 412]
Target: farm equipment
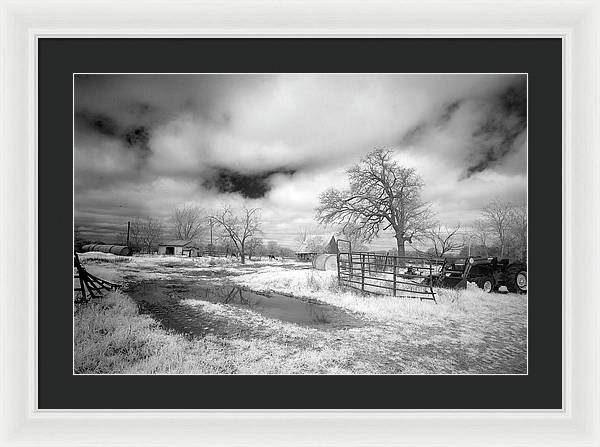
[90, 285]
[488, 273]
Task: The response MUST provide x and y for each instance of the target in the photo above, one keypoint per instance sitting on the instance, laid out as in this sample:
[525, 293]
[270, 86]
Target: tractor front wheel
[516, 278]
[486, 283]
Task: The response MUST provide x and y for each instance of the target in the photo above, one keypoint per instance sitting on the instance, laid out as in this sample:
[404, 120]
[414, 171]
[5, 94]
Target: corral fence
[401, 276]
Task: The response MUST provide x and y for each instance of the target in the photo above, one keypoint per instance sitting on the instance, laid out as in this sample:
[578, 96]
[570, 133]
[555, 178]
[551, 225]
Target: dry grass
[111, 337]
[323, 286]
[96, 257]
[467, 332]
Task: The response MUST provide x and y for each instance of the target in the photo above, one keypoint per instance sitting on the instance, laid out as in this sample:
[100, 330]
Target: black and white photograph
[300, 223]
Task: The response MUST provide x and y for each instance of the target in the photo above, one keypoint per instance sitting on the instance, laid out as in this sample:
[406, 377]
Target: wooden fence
[401, 276]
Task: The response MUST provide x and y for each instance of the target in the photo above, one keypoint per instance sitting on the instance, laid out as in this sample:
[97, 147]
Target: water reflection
[272, 305]
[165, 301]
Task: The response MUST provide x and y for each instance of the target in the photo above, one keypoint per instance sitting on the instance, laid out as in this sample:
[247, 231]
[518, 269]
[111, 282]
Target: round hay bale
[325, 262]
[119, 250]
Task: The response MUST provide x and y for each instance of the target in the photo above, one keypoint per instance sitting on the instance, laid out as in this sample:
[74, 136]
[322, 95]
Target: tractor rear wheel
[486, 283]
[516, 278]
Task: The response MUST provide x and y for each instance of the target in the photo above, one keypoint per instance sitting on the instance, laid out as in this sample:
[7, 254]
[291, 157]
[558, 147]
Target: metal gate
[401, 276]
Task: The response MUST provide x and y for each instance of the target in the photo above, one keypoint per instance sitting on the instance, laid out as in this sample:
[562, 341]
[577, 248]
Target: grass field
[466, 332]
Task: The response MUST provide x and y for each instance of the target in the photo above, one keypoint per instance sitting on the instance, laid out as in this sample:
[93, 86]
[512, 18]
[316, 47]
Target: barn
[178, 247]
[305, 253]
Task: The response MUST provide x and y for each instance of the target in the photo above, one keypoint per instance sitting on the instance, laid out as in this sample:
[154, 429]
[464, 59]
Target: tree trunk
[400, 241]
[242, 256]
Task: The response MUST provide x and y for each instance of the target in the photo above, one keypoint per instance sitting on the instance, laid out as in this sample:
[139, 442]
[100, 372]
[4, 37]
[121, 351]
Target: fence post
[362, 271]
[350, 264]
[431, 281]
[338, 267]
[394, 274]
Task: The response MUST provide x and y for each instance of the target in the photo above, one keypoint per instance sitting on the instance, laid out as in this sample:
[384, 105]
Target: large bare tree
[383, 194]
[188, 222]
[239, 228]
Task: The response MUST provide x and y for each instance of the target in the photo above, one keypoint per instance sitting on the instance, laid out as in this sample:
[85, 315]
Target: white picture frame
[576, 22]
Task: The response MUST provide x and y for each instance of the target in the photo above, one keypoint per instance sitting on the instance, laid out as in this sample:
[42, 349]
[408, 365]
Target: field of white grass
[466, 332]
[111, 337]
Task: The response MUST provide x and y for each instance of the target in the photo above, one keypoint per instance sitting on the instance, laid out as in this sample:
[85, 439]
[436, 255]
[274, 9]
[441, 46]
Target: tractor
[488, 273]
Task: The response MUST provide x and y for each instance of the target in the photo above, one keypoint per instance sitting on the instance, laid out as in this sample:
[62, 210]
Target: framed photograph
[322, 225]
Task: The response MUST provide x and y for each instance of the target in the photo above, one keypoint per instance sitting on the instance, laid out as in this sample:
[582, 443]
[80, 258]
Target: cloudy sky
[146, 144]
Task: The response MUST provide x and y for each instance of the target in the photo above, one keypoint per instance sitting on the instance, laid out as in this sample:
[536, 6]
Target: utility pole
[212, 248]
[128, 226]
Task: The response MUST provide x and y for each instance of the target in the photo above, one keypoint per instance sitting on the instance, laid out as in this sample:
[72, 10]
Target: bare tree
[498, 215]
[301, 236]
[135, 234]
[254, 246]
[382, 195]
[77, 236]
[444, 239]
[225, 246]
[314, 244]
[188, 222]
[481, 232]
[239, 228]
[144, 233]
[273, 248]
[518, 227]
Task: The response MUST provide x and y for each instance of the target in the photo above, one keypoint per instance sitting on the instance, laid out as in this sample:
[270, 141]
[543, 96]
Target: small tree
[301, 237]
[314, 244]
[239, 228]
[481, 232]
[254, 247]
[444, 240]
[145, 233]
[382, 195]
[273, 248]
[518, 228]
[498, 215]
[77, 238]
[188, 222]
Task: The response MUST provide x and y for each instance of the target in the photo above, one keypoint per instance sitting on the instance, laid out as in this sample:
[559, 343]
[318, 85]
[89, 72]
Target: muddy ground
[197, 299]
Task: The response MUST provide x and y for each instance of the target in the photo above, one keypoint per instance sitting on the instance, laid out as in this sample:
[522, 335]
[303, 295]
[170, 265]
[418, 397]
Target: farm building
[308, 252]
[303, 254]
[331, 247]
[178, 247]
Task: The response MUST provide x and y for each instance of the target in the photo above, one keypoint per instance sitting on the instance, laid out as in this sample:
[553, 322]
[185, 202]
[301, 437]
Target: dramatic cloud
[145, 144]
[250, 186]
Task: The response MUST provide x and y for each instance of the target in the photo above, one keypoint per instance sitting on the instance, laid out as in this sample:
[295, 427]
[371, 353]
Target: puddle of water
[162, 299]
[280, 307]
